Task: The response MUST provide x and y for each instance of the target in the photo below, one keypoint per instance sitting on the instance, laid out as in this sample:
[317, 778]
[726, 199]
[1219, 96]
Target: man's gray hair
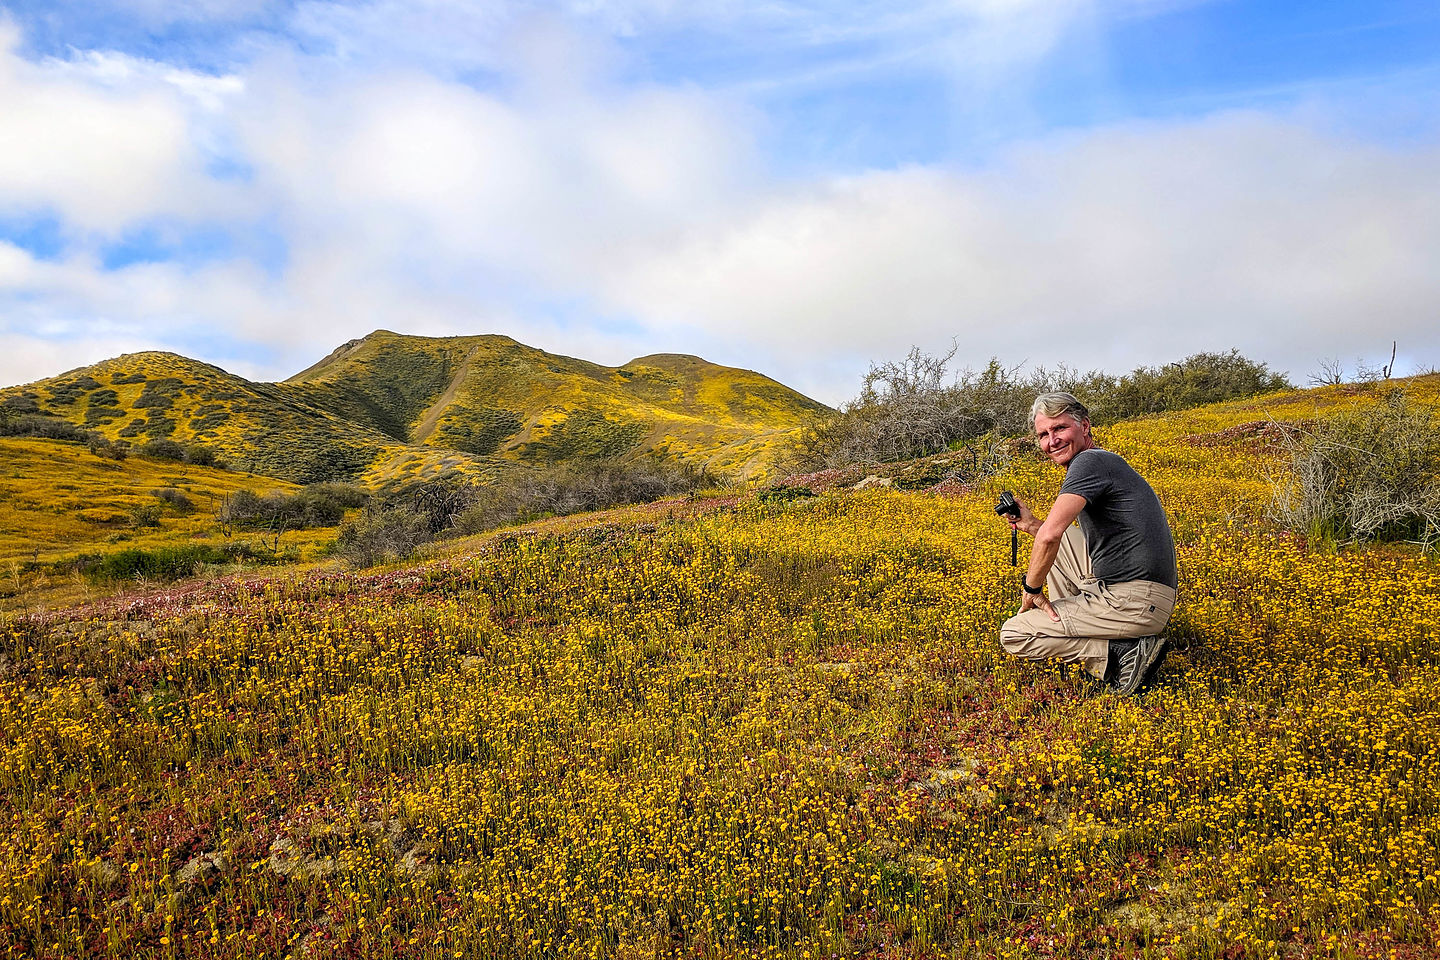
[1057, 404]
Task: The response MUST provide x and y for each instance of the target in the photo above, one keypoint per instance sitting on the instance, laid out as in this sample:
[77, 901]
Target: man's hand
[1033, 601]
[1027, 522]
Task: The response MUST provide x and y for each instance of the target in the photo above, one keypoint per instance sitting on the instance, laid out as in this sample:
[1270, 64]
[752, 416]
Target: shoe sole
[1146, 670]
[1156, 661]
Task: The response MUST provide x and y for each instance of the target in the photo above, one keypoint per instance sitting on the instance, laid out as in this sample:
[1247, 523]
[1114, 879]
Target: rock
[102, 873]
[411, 863]
[288, 860]
[201, 868]
[873, 481]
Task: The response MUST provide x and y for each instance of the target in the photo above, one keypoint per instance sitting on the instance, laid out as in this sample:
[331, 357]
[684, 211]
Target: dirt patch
[1263, 436]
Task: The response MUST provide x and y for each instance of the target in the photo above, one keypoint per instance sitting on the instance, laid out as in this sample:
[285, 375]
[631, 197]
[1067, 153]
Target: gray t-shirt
[1125, 526]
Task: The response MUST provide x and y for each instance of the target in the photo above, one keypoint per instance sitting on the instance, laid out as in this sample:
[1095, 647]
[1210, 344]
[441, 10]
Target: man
[1112, 579]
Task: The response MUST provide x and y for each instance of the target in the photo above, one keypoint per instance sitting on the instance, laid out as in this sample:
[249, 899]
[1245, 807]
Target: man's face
[1060, 438]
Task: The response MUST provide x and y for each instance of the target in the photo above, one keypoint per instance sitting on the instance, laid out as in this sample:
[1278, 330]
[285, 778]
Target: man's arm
[1047, 546]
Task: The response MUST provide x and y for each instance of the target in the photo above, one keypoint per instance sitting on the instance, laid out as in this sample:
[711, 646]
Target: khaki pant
[1091, 613]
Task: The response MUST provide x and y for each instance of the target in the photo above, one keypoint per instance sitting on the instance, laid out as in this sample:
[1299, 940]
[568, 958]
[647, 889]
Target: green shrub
[164, 563]
[477, 430]
[159, 426]
[101, 414]
[44, 427]
[383, 533]
[303, 457]
[162, 449]
[578, 488]
[585, 435]
[318, 505]
[110, 449]
[1372, 473]
[1197, 380]
[145, 515]
[175, 499]
[159, 394]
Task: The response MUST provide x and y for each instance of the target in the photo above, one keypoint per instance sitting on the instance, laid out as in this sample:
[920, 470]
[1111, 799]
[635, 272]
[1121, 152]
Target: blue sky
[796, 187]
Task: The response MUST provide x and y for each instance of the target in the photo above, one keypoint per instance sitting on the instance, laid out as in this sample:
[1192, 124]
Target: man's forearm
[1042, 558]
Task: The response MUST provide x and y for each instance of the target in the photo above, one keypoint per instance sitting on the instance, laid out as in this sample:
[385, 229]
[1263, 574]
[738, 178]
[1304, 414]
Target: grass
[742, 728]
[59, 501]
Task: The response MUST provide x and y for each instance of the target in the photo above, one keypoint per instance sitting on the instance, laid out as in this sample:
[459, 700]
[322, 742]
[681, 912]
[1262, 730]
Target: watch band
[1025, 585]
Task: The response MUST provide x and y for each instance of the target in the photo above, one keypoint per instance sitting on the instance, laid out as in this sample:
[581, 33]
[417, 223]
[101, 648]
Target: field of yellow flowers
[754, 728]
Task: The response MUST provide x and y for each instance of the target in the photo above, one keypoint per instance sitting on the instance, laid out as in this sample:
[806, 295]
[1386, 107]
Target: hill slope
[779, 729]
[59, 501]
[258, 427]
[492, 396]
[391, 407]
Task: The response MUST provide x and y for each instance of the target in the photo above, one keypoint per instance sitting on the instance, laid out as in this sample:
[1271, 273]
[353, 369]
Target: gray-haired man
[1112, 579]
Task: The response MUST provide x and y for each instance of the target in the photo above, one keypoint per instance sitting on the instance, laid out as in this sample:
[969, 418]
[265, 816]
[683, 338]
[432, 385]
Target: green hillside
[492, 396]
[391, 408]
[261, 428]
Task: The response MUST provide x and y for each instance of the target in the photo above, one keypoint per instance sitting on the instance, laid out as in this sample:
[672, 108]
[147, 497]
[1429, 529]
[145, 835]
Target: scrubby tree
[1370, 473]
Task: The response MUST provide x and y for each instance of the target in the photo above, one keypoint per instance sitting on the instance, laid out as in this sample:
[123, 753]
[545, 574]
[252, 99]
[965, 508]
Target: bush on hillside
[318, 505]
[568, 489]
[1197, 380]
[195, 453]
[164, 563]
[110, 449]
[302, 457]
[18, 405]
[176, 499]
[382, 533]
[145, 515]
[1372, 473]
[44, 427]
[908, 409]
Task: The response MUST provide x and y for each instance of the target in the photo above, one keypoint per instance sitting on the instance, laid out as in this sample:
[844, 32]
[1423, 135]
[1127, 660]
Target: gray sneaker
[1133, 659]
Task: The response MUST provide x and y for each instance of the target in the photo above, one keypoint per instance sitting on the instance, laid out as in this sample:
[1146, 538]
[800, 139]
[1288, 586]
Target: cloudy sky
[795, 186]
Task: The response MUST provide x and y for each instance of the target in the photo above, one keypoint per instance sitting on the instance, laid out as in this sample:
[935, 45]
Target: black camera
[1010, 507]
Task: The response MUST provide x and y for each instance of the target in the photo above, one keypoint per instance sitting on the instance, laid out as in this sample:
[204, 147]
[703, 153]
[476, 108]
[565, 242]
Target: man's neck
[1077, 453]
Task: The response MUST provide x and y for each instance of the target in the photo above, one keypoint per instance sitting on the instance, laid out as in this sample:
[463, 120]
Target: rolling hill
[755, 726]
[389, 407]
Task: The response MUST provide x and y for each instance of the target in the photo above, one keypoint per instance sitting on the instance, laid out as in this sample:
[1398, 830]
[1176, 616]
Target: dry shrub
[382, 533]
[908, 409]
[578, 488]
[1372, 473]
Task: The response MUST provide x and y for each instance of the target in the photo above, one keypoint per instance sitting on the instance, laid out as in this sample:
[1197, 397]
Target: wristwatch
[1025, 585]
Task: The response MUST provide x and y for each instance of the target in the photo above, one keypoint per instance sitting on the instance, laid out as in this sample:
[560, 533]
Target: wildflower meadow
[743, 727]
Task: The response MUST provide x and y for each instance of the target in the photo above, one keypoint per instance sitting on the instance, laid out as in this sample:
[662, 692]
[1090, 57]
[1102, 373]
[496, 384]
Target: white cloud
[1111, 248]
[102, 139]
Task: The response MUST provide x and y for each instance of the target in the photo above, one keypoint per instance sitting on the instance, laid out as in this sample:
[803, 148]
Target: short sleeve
[1086, 476]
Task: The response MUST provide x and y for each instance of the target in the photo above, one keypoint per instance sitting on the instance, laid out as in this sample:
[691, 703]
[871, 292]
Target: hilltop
[390, 407]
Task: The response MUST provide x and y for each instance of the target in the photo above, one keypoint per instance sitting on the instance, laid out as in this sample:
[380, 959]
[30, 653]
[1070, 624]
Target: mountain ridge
[390, 407]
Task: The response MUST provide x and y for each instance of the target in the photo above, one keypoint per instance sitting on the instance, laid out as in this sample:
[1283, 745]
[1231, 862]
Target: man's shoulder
[1095, 459]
